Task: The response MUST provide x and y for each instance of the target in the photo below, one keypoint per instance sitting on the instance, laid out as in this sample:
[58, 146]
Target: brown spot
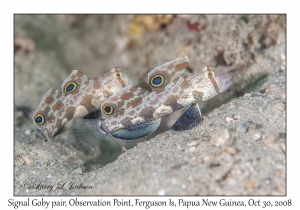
[97, 85]
[170, 66]
[58, 106]
[113, 98]
[147, 113]
[108, 81]
[87, 102]
[49, 100]
[60, 113]
[120, 112]
[59, 94]
[51, 119]
[47, 109]
[201, 79]
[75, 98]
[175, 90]
[135, 102]
[87, 82]
[113, 123]
[70, 113]
[175, 80]
[171, 75]
[133, 88]
[126, 96]
[126, 122]
[185, 85]
[52, 91]
[79, 74]
[172, 102]
[71, 102]
[131, 112]
[153, 102]
[180, 66]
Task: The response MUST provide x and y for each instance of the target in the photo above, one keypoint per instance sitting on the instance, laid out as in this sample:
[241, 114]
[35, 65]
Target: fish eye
[157, 81]
[210, 74]
[39, 119]
[118, 75]
[108, 109]
[70, 87]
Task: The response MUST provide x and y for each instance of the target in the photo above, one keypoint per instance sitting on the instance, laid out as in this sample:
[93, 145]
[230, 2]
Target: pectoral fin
[191, 118]
[87, 130]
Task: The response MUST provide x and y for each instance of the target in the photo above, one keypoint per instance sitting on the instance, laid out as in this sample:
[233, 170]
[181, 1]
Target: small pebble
[192, 149]
[78, 171]
[270, 140]
[257, 136]
[220, 137]
[205, 119]
[208, 160]
[279, 106]
[250, 185]
[28, 160]
[161, 192]
[232, 182]
[193, 143]
[228, 119]
[27, 132]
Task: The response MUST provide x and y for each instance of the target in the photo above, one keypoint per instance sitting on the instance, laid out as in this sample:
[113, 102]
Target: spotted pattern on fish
[79, 96]
[165, 102]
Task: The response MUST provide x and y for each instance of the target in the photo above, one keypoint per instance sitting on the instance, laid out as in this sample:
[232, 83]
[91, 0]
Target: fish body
[79, 96]
[184, 91]
[145, 108]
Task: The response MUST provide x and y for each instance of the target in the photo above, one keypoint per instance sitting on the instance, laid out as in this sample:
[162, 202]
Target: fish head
[45, 115]
[125, 77]
[210, 82]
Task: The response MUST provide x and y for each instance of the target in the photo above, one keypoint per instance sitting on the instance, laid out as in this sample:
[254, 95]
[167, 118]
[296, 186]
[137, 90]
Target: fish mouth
[46, 134]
